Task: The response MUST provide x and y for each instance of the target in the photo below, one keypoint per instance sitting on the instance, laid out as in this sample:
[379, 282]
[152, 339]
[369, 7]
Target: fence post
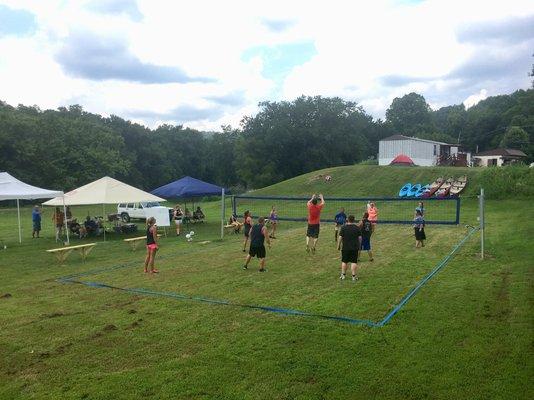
[481, 221]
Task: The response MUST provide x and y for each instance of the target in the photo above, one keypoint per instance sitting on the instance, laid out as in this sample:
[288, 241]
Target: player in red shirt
[315, 205]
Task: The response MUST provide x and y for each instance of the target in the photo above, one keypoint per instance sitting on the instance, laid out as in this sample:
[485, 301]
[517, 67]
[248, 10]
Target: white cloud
[474, 99]
[368, 51]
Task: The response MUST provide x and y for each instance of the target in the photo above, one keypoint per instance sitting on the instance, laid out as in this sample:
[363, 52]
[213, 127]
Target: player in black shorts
[258, 234]
[350, 236]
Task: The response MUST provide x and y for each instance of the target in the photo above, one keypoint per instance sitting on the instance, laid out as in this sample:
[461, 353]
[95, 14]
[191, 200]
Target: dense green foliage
[69, 147]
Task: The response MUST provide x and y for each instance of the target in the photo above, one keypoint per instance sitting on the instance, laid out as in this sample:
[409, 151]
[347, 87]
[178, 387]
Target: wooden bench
[134, 242]
[63, 252]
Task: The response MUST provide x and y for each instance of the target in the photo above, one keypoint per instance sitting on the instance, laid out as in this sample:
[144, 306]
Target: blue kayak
[405, 189]
[422, 191]
[413, 190]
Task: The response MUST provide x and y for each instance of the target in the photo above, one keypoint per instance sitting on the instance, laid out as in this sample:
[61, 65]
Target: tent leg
[65, 219]
[103, 220]
[20, 229]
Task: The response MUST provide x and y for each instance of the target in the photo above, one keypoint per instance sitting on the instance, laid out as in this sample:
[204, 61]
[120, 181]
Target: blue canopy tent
[190, 188]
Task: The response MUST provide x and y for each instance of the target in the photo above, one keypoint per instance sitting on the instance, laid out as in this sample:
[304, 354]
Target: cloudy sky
[208, 63]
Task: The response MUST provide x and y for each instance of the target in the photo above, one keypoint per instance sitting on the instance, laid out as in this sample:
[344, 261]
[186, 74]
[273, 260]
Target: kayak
[405, 189]
[458, 185]
[434, 186]
[422, 191]
[413, 190]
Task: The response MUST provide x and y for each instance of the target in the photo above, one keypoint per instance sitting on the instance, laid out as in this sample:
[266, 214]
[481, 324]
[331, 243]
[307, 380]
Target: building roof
[402, 137]
[502, 153]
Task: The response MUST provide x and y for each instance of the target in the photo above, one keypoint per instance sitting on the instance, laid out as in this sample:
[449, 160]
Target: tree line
[69, 147]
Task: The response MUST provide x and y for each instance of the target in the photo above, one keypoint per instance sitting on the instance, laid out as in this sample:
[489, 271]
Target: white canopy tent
[13, 189]
[103, 191]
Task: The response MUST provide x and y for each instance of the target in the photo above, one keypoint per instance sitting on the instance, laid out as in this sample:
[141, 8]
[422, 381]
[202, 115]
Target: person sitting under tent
[91, 227]
[235, 223]
[187, 216]
[198, 215]
[74, 227]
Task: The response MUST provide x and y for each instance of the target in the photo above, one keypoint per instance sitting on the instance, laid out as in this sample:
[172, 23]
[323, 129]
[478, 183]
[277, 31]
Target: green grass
[386, 181]
[466, 335]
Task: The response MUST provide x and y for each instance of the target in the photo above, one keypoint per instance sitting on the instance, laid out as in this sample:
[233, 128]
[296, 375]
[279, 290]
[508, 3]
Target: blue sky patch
[279, 61]
[16, 22]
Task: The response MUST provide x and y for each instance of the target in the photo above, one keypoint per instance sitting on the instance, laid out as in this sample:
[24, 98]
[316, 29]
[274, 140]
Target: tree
[286, 139]
[410, 115]
[515, 138]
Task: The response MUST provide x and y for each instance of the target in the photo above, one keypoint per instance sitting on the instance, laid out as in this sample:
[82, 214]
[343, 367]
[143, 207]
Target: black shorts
[349, 256]
[420, 234]
[257, 251]
[313, 230]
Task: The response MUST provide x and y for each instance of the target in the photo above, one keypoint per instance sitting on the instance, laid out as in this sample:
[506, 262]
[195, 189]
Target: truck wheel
[125, 217]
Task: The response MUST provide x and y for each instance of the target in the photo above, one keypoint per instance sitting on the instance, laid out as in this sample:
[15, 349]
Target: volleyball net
[391, 210]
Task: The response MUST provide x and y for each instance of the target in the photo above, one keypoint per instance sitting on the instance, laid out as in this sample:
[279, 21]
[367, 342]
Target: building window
[435, 150]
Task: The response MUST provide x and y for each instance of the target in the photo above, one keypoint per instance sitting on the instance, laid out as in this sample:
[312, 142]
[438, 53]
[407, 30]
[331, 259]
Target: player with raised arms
[315, 205]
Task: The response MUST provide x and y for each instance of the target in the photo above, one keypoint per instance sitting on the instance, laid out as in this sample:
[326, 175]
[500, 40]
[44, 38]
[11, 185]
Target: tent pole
[65, 219]
[222, 213]
[20, 229]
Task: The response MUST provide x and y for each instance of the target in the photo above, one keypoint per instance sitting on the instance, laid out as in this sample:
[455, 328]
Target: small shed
[499, 157]
[423, 152]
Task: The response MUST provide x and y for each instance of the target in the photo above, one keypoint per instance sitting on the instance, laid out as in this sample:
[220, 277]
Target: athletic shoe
[313, 250]
[342, 277]
[372, 259]
[307, 249]
[245, 267]
[262, 270]
[244, 251]
[354, 278]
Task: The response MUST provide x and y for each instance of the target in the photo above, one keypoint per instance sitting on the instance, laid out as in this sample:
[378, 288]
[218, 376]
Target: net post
[234, 206]
[222, 213]
[481, 221]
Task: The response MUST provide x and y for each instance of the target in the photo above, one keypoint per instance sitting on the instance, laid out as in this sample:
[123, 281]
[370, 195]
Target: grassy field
[466, 335]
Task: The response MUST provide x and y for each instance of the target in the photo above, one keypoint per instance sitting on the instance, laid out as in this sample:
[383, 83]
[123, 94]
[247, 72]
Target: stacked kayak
[458, 185]
[405, 190]
[439, 188]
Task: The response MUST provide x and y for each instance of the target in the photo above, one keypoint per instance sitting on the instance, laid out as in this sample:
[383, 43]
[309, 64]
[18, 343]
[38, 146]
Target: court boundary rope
[72, 279]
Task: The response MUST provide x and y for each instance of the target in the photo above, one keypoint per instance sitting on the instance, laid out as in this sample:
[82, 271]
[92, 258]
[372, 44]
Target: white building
[498, 157]
[422, 151]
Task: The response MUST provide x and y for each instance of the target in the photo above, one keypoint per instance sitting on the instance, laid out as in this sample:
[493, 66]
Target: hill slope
[374, 180]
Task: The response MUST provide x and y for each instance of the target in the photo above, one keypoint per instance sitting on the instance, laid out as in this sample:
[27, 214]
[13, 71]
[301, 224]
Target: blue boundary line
[354, 321]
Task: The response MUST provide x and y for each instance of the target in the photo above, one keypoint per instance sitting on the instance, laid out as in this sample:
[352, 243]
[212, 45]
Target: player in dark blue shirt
[340, 219]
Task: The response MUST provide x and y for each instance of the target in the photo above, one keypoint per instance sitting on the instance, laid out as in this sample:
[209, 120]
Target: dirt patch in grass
[6, 296]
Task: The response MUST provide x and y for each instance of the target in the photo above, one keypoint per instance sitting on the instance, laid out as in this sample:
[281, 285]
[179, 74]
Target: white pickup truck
[128, 211]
